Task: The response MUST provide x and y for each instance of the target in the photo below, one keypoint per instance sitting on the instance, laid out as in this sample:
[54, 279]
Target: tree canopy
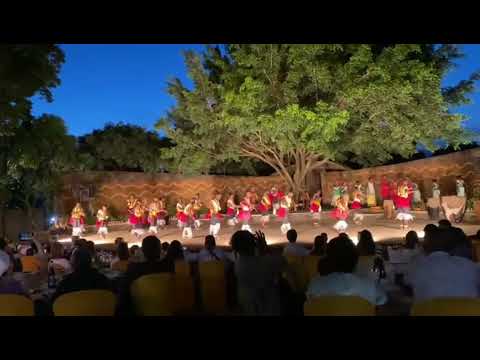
[295, 107]
[122, 147]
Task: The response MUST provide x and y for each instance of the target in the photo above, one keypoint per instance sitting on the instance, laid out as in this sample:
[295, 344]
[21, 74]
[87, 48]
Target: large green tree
[42, 151]
[296, 107]
[122, 147]
[25, 71]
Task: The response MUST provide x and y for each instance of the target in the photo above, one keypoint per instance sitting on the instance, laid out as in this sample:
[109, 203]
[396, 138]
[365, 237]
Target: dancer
[102, 220]
[181, 217]
[435, 189]
[162, 212]
[403, 204]
[371, 196]
[77, 220]
[460, 185]
[286, 204]
[131, 204]
[232, 210]
[345, 194]
[316, 207]
[336, 193]
[189, 212]
[214, 215]
[197, 205]
[253, 198]
[264, 208]
[275, 197]
[417, 196]
[356, 205]
[340, 214]
[138, 220]
[153, 211]
[245, 213]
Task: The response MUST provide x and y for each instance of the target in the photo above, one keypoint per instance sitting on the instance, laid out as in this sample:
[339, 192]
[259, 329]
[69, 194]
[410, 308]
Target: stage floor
[382, 230]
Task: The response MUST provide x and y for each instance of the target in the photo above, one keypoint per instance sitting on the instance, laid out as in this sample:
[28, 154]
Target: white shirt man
[346, 284]
[442, 275]
[295, 250]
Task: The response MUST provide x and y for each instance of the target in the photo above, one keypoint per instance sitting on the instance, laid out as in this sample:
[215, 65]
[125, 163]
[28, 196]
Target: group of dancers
[144, 217]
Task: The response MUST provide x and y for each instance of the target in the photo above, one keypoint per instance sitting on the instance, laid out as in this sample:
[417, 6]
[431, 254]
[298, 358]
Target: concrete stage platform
[383, 230]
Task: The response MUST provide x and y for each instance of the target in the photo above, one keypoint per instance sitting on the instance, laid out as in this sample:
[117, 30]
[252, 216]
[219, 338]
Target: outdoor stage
[383, 230]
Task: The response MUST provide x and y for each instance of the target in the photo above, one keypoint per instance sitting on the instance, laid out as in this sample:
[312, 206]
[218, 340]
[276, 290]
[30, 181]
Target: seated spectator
[83, 277]
[210, 252]
[165, 246]
[461, 245]
[366, 255]
[119, 240]
[151, 248]
[136, 254]
[176, 252]
[444, 224]
[120, 262]
[8, 285]
[257, 277]
[439, 274]
[292, 247]
[338, 265]
[90, 246]
[402, 257]
[58, 259]
[319, 245]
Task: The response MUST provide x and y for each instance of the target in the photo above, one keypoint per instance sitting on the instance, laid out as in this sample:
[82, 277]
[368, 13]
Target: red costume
[245, 210]
[385, 190]
[341, 211]
[265, 205]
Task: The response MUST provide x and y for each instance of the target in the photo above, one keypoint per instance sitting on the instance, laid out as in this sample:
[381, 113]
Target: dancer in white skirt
[460, 184]
[316, 207]
[340, 214]
[232, 210]
[286, 203]
[153, 211]
[214, 215]
[403, 204]
[102, 220]
[77, 220]
[189, 212]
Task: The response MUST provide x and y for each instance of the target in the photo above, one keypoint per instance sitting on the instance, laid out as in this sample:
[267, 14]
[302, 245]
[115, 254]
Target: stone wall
[16, 221]
[444, 168]
[112, 188]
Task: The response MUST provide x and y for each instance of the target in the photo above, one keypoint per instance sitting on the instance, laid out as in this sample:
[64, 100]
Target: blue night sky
[127, 83]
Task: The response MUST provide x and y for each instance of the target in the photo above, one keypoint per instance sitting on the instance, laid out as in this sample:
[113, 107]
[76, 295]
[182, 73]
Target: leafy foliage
[295, 107]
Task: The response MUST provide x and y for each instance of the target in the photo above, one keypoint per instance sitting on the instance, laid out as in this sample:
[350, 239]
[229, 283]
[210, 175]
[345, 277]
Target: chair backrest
[296, 275]
[15, 305]
[85, 303]
[30, 264]
[447, 307]
[182, 267]
[338, 306]
[120, 265]
[153, 294]
[310, 264]
[213, 286]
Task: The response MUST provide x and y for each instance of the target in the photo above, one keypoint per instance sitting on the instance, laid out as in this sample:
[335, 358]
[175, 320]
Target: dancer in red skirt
[403, 204]
[181, 217]
[264, 207]
[138, 220]
[340, 214]
[286, 204]
[162, 212]
[232, 210]
[153, 211]
[275, 197]
[316, 206]
[245, 213]
[356, 205]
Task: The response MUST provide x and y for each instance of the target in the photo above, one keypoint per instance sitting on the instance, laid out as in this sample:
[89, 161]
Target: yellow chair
[310, 264]
[85, 303]
[184, 294]
[338, 306]
[182, 268]
[30, 264]
[296, 275]
[15, 305]
[447, 307]
[213, 286]
[153, 294]
[121, 266]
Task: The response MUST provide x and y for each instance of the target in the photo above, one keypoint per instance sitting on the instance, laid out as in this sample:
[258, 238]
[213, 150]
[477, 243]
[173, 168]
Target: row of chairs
[301, 269]
[356, 306]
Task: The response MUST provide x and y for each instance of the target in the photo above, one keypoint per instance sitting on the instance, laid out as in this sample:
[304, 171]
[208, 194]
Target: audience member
[211, 252]
[319, 245]
[292, 247]
[340, 261]
[461, 245]
[401, 258]
[58, 259]
[165, 246]
[8, 285]
[176, 252]
[366, 252]
[136, 254]
[257, 277]
[122, 257]
[444, 224]
[83, 277]
[439, 274]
